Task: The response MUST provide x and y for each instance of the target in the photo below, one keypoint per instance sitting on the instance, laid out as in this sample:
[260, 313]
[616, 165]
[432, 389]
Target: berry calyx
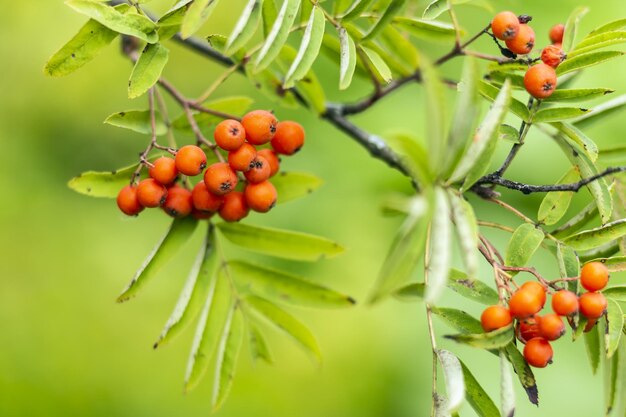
[220, 179]
[234, 207]
[289, 138]
[229, 135]
[164, 170]
[538, 352]
[524, 303]
[151, 193]
[594, 276]
[556, 33]
[178, 202]
[272, 159]
[190, 160]
[540, 81]
[505, 25]
[565, 303]
[205, 201]
[495, 317]
[551, 326]
[592, 305]
[128, 202]
[260, 170]
[241, 159]
[260, 126]
[552, 55]
[524, 42]
[261, 197]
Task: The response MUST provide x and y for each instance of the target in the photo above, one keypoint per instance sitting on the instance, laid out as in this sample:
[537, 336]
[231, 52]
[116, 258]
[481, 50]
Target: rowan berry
[536, 288]
[556, 33]
[495, 317]
[190, 160]
[528, 329]
[259, 171]
[565, 303]
[591, 323]
[241, 159]
[540, 81]
[289, 138]
[220, 179]
[234, 208]
[524, 42]
[272, 159]
[261, 197]
[552, 55]
[538, 352]
[260, 126]
[128, 202]
[505, 25]
[178, 202]
[594, 276]
[551, 326]
[229, 135]
[592, 305]
[201, 215]
[524, 303]
[204, 200]
[151, 193]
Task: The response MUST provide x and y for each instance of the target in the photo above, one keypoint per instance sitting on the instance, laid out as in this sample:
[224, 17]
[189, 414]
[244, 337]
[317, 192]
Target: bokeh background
[67, 349]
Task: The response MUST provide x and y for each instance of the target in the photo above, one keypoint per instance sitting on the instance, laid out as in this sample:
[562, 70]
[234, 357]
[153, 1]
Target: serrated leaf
[571, 27]
[492, 340]
[590, 239]
[258, 345]
[277, 36]
[282, 287]
[556, 114]
[309, 47]
[245, 27]
[197, 14]
[579, 94]
[602, 40]
[554, 205]
[137, 121]
[524, 372]
[280, 243]
[601, 111]
[392, 9]
[132, 24]
[105, 184]
[148, 69]
[171, 242]
[470, 288]
[517, 107]
[356, 8]
[615, 324]
[294, 185]
[377, 64]
[586, 60]
[617, 292]
[348, 59]
[507, 392]
[455, 384]
[466, 231]
[578, 136]
[458, 319]
[226, 357]
[425, 29]
[439, 248]
[287, 323]
[477, 397]
[592, 346]
[523, 244]
[236, 105]
[309, 88]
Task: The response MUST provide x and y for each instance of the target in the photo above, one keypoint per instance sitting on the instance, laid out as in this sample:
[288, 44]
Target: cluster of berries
[536, 331]
[540, 80]
[217, 192]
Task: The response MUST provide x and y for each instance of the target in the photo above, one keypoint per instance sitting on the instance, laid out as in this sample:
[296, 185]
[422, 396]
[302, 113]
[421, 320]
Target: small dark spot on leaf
[466, 282]
[73, 55]
[122, 113]
[113, 172]
[88, 189]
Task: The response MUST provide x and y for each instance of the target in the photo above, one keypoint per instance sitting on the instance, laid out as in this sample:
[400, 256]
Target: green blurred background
[67, 349]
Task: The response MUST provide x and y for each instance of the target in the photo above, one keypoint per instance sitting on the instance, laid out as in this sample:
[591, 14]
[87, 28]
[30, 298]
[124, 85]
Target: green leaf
[517, 107]
[477, 397]
[282, 287]
[287, 323]
[556, 114]
[554, 205]
[602, 40]
[92, 38]
[472, 289]
[411, 292]
[586, 60]
[400, 48]
[612, 155]
[280, 243]
[171, 242]
[438, 7]
[392, 9]
[309, 47]
[569, 265]
[277, 36]
[478, 156]
[458, 319]
[200, 282]
[592, 346]
[583, 217]
[227, 355]
[492, 340]
[348, 59]
[413, 156]
[426, 29]
[269, 14]
[310, 89]
[571, 27]
[601, 111]
[436, 110]
[579, 94]
[590, 239]
[615, 383]
[455, 384]
[148, 69]
[578, 136]
[356, 8]
[245, 27]
[258, 345]
[197, 14]
[294, 185]
[608, 27]
[466, 231]
[377, 64]
[132, 24]
[523, 244]
[507, 392]
[439, 245]
[508, 133]
[615, 324]
[524, 372]
[236, 105]
[102, 184]
[137, 121]
[618, 292]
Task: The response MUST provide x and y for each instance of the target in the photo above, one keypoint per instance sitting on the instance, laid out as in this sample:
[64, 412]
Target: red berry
[205, 201]
[261, 197]
[220, 179]
[538, 352]
[289, 138]
[551, 326]
[592, 305]
[164, 170]
[495, 317]
[178, 202]
[540, 81]
[528, 329]
[272, 159]
[505, 25]
[190, 160]
[128, 202]
[594, 276]
[229, 135]
[524, 303]
[260, 126]
[565, 303]
[524, 42]
[151, 193]
[259, 172]
[536, 288]
[234, 208]
[241, 159]
[556, 33]
[552, 55]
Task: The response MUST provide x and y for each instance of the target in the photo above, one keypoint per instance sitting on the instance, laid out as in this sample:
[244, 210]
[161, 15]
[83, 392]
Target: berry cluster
[540, 80]
[218, 191]
[536, 331]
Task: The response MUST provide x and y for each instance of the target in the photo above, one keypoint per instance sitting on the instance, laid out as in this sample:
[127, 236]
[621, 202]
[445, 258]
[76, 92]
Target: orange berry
[537, 288]
[201, 215]
[524, 303]
[241, 159]
[495, 317]
[528, 329]
[163, 170]
[592, 305]
[540, 81]
[205, 201]
[272, 159]
[524, 42]
[538, 352]
[289, 138]
[260, 126]
[565, 303]
[551, 326]
[591, 323]
[220, 179]
[128, 202]
[229, 135]
[178, 202]
[261, 197]
[259, 172]
[234, 208]
[190, 160]
[594, 276]
[505, 25]
[556, 33]
[151, 193]
[552, 55]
